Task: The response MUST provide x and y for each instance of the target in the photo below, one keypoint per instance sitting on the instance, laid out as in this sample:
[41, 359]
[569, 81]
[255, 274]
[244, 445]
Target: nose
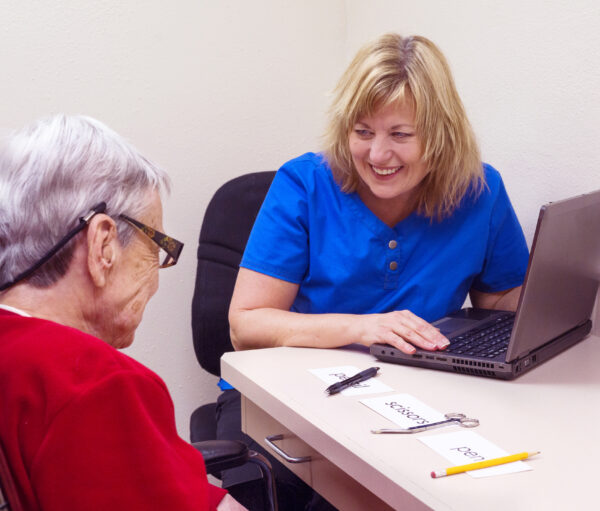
[380, 151]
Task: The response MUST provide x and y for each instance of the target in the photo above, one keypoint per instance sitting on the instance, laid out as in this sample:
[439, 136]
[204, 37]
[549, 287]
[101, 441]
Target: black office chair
[225, 229]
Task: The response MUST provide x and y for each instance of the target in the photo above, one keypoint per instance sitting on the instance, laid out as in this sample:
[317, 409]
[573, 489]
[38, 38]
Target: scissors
[451, 418]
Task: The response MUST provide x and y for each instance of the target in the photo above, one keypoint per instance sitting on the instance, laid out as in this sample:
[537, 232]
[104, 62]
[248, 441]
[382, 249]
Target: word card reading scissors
[451, 418]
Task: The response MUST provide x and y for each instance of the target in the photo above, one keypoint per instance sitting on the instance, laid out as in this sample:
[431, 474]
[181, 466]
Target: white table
[554, 408]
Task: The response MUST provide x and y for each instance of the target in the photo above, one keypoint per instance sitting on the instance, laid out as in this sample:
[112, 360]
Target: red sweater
[85, 427]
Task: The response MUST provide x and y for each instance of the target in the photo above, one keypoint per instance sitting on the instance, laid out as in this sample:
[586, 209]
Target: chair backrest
[226, 226]
[9, 498]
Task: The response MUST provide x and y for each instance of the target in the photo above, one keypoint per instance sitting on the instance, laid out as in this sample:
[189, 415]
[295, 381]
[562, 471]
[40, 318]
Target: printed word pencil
[483, 464]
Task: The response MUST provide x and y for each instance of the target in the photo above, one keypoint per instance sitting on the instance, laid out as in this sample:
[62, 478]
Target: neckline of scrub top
[375, 224]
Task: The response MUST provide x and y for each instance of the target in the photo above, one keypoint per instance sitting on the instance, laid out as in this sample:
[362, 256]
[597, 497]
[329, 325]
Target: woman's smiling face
[387, 154]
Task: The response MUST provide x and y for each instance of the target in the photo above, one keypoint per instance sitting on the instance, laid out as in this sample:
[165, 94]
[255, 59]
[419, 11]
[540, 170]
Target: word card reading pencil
[483, 464]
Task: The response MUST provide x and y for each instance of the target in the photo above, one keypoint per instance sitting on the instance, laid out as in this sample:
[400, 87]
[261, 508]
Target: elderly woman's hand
[403, 330]
[230, 504]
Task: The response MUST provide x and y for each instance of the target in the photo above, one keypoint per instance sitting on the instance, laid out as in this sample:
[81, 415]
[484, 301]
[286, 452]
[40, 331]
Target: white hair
[54, 171]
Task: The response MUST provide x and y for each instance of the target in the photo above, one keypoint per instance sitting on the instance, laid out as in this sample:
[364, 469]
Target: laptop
[554, 310]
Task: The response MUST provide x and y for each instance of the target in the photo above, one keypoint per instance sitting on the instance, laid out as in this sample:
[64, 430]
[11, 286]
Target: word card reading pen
[348, 382]
[483, 464]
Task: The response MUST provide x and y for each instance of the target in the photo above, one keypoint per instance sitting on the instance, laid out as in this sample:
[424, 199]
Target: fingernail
[444, 343]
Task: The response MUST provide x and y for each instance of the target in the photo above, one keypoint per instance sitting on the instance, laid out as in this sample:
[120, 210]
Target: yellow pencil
[483, 464]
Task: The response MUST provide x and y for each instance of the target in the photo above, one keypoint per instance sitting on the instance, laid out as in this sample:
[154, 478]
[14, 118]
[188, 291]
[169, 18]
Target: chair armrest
[222, 454]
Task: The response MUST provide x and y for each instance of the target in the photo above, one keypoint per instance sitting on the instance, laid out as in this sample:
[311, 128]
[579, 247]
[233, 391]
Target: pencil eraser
[433, 474]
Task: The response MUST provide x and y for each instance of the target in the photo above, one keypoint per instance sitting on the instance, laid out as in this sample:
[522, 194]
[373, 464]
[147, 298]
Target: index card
[403, 409]
[462, 447]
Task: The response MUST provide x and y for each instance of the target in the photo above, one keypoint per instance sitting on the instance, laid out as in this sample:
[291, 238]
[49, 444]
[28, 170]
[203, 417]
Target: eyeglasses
[169, 245]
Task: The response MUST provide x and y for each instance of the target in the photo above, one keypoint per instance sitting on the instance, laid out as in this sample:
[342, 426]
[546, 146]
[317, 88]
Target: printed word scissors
[451, 418]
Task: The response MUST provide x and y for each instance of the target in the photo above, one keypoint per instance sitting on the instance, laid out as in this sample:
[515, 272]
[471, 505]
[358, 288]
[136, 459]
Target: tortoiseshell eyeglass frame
[170, 245]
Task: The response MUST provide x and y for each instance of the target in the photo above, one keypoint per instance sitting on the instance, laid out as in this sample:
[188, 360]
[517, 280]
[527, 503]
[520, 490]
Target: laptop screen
[562, 278]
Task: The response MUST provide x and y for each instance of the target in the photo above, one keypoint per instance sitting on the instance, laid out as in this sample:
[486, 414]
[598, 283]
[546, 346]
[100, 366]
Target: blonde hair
[394, 70]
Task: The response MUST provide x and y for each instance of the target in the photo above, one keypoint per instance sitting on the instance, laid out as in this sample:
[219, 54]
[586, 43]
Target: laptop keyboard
[489, 341]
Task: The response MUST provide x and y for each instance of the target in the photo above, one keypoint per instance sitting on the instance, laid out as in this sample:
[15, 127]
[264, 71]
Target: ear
[103, 248]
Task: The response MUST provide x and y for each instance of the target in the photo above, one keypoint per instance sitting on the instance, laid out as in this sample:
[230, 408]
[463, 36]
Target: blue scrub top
[346, 260]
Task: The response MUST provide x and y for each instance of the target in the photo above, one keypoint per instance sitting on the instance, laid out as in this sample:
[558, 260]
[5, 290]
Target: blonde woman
[386, 230]
[391, 227]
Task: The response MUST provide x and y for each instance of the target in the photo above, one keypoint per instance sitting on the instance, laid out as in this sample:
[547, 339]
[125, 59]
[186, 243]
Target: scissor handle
[462, 419]
[455, 416]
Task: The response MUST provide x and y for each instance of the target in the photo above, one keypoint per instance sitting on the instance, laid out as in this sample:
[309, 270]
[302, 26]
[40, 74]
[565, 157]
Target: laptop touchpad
[449, 325]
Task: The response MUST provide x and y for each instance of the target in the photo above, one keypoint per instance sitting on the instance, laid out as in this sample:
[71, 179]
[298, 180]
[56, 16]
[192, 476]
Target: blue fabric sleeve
[224, 385]
[507, 254]
[278, 243]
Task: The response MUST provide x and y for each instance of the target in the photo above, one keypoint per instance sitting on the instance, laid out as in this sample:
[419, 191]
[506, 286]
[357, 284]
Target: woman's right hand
[403, 330]
[260, 317]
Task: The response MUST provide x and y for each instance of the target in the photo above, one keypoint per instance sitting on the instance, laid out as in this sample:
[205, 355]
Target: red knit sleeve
[115, 446]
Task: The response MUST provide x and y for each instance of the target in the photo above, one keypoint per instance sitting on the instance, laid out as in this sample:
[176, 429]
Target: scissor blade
[385, 431]
[415, 429]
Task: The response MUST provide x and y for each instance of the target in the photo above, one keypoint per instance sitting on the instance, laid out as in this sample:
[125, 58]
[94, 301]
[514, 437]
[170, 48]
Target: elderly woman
[84, 426]
[388, 229]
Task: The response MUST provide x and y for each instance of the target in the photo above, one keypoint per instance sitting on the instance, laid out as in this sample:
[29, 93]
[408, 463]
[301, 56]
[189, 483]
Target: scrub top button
[393, 265]
[393, 244]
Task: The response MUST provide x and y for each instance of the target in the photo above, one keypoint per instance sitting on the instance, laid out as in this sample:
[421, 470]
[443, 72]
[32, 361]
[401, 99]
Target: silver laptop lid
[563, 273]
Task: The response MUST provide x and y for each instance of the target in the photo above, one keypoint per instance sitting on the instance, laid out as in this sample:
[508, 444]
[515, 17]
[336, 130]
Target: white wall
[212, 90]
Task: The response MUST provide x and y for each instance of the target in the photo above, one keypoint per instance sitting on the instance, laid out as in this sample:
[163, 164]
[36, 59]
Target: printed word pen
[483, 464]
[348, 382]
